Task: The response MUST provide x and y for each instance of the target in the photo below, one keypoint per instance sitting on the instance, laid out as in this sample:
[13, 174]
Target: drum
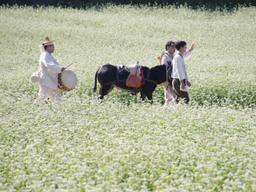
[67, 80]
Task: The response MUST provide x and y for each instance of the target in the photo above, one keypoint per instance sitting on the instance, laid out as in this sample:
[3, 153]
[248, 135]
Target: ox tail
[95, 81]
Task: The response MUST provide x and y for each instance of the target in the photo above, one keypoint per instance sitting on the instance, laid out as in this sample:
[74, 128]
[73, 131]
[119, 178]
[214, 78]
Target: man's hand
[62, 69]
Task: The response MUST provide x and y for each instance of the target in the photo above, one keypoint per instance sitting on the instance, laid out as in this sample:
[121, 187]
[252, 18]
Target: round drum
[67, 80]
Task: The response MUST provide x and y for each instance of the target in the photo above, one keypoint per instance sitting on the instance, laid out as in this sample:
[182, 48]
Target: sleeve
[166, 61]
[51, 64]
[181, 68]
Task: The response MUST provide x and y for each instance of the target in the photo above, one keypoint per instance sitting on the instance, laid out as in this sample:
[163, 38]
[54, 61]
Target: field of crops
[123, 144]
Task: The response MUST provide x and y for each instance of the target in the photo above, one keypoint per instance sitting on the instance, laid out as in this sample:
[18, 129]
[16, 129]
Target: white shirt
[167, 59]
[49, 69]
[179, 70]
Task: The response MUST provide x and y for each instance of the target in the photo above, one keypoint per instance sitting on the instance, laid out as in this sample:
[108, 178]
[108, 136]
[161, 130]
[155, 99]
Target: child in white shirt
[179, 72]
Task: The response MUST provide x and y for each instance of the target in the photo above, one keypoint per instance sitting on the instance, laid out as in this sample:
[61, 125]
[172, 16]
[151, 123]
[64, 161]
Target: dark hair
[180, 44]
[169, 44]
[45, 46]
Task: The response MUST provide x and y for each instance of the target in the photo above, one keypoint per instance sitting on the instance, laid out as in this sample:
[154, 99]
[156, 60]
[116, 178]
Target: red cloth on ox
[135, 81]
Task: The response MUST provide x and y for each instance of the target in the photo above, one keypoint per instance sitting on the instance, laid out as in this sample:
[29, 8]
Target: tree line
[194, 4]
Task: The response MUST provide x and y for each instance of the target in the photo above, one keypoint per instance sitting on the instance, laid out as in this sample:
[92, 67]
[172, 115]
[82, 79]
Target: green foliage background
[195, 4]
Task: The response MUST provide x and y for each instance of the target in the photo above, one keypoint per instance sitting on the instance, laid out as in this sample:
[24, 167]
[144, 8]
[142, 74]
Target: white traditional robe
[48, 80]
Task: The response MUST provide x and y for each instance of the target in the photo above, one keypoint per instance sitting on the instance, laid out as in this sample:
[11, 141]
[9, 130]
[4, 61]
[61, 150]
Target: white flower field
[122, 143]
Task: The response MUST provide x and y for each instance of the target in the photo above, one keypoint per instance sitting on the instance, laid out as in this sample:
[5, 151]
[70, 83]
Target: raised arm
[192, 47]
[188, 51]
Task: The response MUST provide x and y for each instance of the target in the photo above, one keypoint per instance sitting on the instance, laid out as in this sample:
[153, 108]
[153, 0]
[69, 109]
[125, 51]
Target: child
[166, 59]
[180, 81]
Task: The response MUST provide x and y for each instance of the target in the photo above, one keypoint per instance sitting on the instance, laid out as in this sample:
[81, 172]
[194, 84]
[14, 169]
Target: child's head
[181, 46]
[170, 47]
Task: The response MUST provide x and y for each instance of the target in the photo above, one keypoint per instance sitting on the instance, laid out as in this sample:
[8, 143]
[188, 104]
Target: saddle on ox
[135, 78]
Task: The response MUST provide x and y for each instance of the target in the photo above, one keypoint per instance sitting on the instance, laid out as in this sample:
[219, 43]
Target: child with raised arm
[180, 81]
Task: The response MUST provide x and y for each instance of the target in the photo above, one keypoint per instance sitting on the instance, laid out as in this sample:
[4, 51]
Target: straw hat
[47, 41]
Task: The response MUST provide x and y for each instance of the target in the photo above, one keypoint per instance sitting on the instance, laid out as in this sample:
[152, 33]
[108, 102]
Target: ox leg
[150, 97]
[149, 93]
[142, 95]
[104, 90]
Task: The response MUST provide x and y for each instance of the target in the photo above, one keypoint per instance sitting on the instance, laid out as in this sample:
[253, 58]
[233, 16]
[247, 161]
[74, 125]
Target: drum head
[69, 79]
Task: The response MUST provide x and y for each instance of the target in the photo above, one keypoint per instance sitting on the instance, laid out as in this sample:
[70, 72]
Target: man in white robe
[49, 69]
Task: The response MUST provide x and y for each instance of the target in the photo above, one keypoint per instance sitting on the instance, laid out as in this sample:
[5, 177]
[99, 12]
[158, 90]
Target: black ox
[110, 76]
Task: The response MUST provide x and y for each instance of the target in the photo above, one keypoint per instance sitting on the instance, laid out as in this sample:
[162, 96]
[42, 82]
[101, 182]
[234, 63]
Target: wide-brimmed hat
[47, 41]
